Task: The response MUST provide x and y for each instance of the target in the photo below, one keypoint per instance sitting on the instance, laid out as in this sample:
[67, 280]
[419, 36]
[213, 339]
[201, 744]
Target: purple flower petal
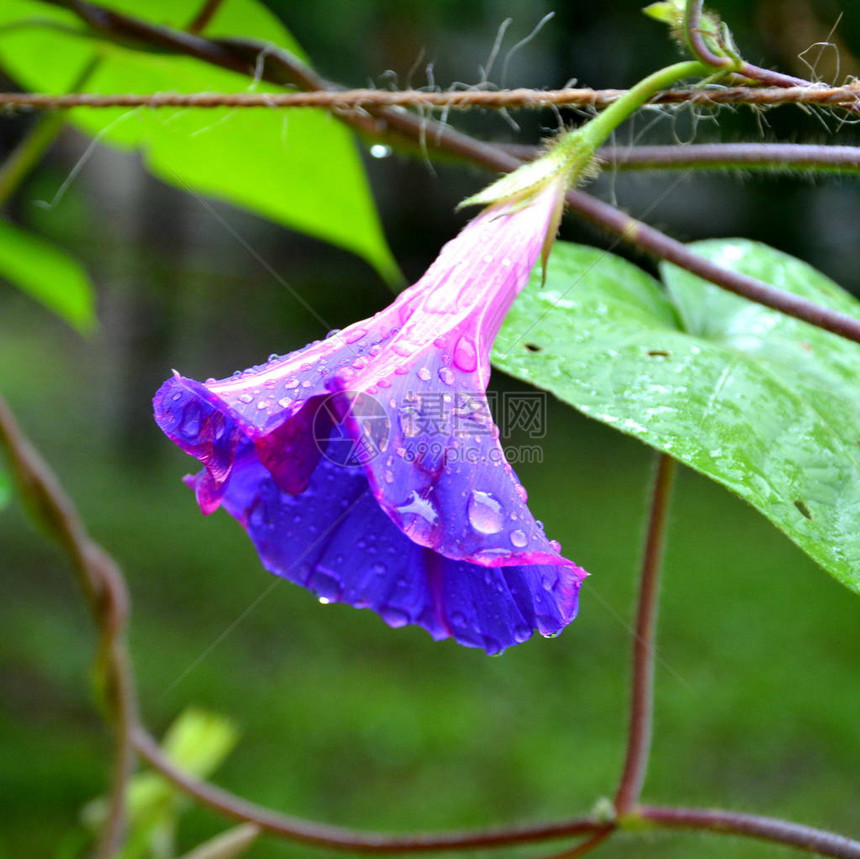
[335, 540]
[367, 467]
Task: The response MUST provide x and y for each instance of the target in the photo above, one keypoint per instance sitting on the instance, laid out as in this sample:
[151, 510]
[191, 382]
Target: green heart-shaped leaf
[761, 402]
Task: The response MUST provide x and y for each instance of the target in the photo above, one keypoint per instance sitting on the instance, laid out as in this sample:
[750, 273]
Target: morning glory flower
[366, 466]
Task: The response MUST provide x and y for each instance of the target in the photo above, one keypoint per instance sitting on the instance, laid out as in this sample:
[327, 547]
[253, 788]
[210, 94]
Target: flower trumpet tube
[366, 466]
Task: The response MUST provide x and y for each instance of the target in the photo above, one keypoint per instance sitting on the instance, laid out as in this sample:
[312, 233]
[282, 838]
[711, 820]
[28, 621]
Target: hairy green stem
[596, 131]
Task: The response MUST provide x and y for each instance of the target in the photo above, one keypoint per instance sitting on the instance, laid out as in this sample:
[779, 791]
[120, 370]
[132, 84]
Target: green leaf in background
[48, 274]
[227, 845]
[197, 742]
[5, 488]
[299, 167]
[761, 402]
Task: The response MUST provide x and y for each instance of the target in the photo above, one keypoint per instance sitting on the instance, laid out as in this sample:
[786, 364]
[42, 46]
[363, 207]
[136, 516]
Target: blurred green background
[342, 719]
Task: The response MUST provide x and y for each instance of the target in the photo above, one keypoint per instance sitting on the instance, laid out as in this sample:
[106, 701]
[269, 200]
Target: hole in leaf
[802, 509]
[533, 348]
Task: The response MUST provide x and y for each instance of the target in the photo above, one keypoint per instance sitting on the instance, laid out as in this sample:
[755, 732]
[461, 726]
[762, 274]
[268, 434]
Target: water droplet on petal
[519, 538]
[555, 545]
[291, 383]
[424, 374]
[521, 491]
[465, 354]
[332, 333]
[353, 335]
[306, 383]
[522, 633]
[446, 376]
[485, 512]
[380, 150]
[379, 568]
[191, 422]
[402, 349]
[246, 398]
[394, 617]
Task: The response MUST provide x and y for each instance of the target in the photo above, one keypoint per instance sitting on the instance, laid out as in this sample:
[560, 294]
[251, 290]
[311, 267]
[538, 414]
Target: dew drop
[306, 383]
[384, 383]
[521, 491]
[465, 354]
[353, 335]
[379, 568]
[394, 617]
[519, 538]
[555, 545]
[191, 423]
[522, 633]
[246, 398]
[402, 349]
[333, 333]
[388, 476]
[424, 374]
[284, 402]
[326, 587]
[291, 383]
[446, 376]
[485, 512]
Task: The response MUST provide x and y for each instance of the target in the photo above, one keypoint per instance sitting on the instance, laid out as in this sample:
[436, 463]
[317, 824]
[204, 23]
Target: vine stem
[104, 587]
[841, 96]
[642, 684]
[774, 157]
[753, 826]
[733, 156]
[699, 48]
[335, 837]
